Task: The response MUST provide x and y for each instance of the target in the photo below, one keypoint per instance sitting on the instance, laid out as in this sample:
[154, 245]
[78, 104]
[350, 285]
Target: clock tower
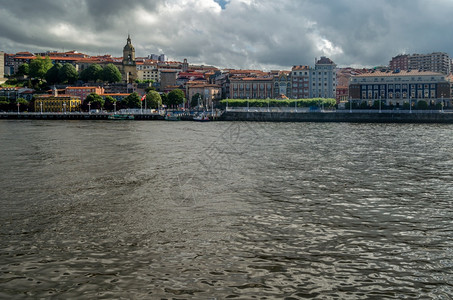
[129, 65]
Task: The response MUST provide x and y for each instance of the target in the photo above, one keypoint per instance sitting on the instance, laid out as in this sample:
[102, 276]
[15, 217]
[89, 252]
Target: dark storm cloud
[263, 34]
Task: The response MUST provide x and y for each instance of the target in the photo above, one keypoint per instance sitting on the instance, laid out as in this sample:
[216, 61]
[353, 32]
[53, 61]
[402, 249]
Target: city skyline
[233, 33]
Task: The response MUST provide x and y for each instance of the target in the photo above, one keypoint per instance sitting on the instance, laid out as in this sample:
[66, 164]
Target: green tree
[97, 102]
[422, 104]
[5, 105]
[92, 73]
[39, 67]
[68, 74]
[150, 88]
[110, 73]
[164, 98]
[109, 101]
[153, 100]
[195, 99]
[24, 69]
[52, 76]
[176, 97]
[23, 104]
[132, 101]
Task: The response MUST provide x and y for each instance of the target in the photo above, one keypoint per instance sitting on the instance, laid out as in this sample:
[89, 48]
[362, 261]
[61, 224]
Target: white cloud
[237, 33]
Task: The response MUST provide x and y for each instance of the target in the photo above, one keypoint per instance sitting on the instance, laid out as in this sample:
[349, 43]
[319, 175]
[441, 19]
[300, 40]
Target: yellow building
[62, 104]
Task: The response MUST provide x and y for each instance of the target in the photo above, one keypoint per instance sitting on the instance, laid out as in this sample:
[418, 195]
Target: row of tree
[152, 100]
[42, 68]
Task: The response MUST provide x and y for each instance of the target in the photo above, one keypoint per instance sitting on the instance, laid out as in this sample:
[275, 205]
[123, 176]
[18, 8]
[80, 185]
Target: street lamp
[442, 102]
[380, 100]
[89, 108]
[410, 104]
[114, 108]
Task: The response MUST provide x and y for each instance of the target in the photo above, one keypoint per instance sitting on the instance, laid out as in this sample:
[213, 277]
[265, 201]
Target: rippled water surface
[151, 210]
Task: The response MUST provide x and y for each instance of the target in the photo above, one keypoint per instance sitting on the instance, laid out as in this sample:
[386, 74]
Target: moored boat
[201, 118]
[172, 117]
[121, 117]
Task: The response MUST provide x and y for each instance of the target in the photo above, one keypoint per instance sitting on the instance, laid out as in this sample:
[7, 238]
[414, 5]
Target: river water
[181, 210]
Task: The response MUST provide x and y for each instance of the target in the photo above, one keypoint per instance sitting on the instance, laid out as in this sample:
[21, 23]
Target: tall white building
[2, 64]
[435, 62]
[439, 62]
[323, 79]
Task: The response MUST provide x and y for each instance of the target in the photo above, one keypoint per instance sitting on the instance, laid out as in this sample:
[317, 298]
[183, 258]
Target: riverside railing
[332, 110]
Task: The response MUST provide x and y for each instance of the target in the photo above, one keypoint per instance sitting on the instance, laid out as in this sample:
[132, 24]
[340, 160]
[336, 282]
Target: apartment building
[399, 62]
[323, 79]
[399, 87]
[251, 87]
[83, 91]
[436, 62]
[300, 78]
[2, 65]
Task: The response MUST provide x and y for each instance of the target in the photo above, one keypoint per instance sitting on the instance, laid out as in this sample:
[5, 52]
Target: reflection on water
[225, 210]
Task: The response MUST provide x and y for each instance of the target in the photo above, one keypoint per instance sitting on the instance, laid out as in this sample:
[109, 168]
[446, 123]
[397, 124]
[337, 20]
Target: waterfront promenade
[74, 116]
[351, 116]
[272, 114]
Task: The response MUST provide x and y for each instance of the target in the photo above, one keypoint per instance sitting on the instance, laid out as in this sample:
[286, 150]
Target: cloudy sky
[260, 34]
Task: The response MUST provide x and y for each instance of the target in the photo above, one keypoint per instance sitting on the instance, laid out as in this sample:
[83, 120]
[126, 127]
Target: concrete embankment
[354, 117]
[73, 116]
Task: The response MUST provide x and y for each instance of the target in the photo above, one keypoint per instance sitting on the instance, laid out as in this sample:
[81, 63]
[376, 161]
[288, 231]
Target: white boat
[172, 117]
[201, 118]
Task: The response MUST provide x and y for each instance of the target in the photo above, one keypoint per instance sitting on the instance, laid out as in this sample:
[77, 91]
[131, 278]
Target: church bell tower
[129, 64]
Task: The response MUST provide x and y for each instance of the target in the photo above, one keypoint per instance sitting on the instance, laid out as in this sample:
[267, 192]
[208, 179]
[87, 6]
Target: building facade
[323, 79]
[55, 103]
[251, 87]
[399, 62]
[395, 88]
[167, 79]
[300, 78]
[209, 92]
[436, 62]
[2, 65]
[148, 71]
[282, 85]
[83, 91]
